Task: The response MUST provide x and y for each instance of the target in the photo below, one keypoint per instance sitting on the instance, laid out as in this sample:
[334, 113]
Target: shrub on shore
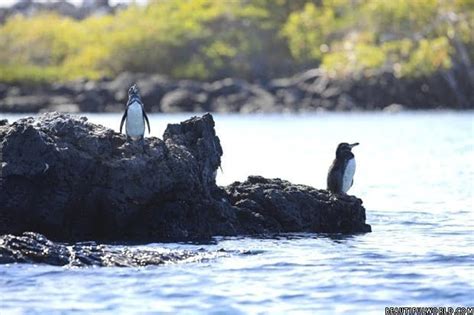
[250, 39]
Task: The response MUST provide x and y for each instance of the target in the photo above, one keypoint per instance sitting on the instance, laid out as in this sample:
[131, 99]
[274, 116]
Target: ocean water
[415, 173]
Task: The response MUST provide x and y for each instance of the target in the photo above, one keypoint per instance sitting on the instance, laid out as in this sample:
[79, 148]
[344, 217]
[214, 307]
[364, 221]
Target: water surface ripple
[414, 172]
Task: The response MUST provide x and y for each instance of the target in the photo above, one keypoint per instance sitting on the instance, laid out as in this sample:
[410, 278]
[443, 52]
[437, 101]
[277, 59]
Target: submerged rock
[73, 180]
[35, 248]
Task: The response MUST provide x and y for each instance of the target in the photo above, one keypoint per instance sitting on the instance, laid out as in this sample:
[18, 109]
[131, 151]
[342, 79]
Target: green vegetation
[252, 39]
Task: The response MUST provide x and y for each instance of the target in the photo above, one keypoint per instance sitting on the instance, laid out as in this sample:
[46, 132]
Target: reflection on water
[414, 173]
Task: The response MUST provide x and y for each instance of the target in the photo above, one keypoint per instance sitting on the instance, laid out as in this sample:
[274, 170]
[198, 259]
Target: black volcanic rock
[35, 248]
[278, 205]
[313, 90]
[72, 180]
[183, 100]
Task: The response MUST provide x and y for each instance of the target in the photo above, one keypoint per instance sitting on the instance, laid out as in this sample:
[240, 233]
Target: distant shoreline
[310, 91]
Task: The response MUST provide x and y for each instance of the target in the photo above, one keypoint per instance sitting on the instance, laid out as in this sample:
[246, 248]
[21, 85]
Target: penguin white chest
[135, 126]
[348, 175]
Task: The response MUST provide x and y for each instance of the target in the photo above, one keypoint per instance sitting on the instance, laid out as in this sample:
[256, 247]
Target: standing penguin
[341, 172]
[135, 115]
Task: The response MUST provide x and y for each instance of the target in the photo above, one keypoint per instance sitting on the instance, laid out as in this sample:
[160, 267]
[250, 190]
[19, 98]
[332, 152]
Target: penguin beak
[354, 144]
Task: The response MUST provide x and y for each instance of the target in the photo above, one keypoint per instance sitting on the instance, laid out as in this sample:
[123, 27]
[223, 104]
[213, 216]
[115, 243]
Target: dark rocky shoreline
[312, 90]
[72, 180]
[35, 248]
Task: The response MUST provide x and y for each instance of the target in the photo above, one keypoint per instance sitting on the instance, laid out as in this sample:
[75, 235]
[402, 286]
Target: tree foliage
[252, 39]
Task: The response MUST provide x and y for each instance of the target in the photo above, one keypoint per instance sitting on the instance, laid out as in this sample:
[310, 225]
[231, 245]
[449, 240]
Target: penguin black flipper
[334, 180]
[123, 120]
[146, 119]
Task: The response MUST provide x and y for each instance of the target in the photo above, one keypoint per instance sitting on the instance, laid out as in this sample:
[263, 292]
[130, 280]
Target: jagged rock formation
[278, 205]
[72, 180]
[35, 248]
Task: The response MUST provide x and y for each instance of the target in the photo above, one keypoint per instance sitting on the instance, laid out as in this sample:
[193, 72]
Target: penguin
[135, 116]
[341, 173]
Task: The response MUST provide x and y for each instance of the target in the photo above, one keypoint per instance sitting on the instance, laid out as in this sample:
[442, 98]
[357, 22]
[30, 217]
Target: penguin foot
[141, 143]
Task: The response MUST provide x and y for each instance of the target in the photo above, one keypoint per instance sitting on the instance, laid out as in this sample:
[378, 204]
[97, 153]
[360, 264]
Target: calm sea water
[415, 174]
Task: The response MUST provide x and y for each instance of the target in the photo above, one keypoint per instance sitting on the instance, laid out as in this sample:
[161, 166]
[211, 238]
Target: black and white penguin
[135, 115]
[341, 172]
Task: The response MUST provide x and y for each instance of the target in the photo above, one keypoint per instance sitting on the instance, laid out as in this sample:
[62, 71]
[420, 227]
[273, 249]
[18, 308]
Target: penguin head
[133, 90]
[344, 150]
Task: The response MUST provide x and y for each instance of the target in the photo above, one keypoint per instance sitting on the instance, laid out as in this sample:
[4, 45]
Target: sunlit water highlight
[415, 174]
